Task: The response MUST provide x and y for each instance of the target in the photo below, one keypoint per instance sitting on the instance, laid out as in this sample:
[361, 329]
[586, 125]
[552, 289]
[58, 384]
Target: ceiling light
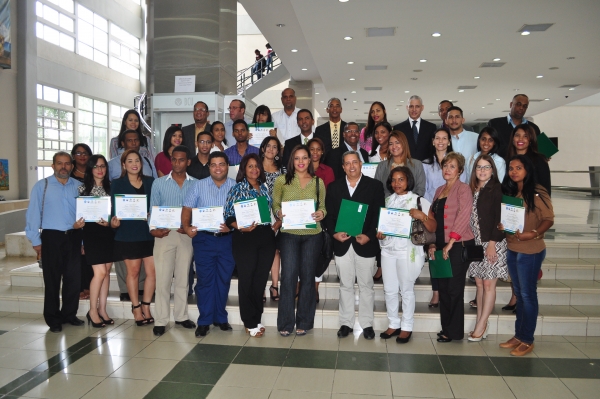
[401, 101]
[436, 34]
[423, 60]
[546, 99]
[354, 101]
[461, 90]
[350, 62]
[348, 38]
[322, 101]
[497, 99]
[482, 107]
[294, 50]
[496, 59]
[525, 33]
[406, 91]
[352, 79]
[397, 109]
[343, 1]
[475, 77]
[572, 88]
[304, 69]
[540, 76]
[317, 93]
[280, 25]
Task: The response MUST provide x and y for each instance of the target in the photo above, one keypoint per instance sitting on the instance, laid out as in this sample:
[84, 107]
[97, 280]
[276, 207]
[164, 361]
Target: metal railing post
[595, 180]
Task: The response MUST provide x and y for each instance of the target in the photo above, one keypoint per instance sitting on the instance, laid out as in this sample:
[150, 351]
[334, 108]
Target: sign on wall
[5, 39]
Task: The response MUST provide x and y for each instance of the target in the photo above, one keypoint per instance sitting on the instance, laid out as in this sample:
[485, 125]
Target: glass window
[93, 123]
[54, 132]
[50, 94]
[124, 52]
[67, 42]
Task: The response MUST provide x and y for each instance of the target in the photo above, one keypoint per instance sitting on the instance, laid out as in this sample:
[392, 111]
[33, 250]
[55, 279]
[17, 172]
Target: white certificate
[298, 214]
[394, 222]
[165, 217]
[512, 218]
[246, 213]
[208, 219]
[93, 209]
[260, 132]
[131, 206]
[233, 171]
[368, 169]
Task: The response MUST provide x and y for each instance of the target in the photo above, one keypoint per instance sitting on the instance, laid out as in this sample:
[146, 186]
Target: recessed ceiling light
[572, 88]
[343, 1]
[482, 107]
[353, 92]
[397, 109]
[515, 89]
[304, 69]
[496, 59]
[423, 60]
[406, 91]
[322, 101]
[280, 25]
[354, 101]
[475, 77]
[525, 33]
[294, 50]
[350, 62]
[401, 101]
[352, 79]
[497, 99]
[317, 93]
[461, 90]
[348, 38]
[546, 99]
[540, 76]
[436, 34]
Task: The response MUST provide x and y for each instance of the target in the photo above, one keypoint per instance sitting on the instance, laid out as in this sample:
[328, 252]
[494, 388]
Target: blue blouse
[243, 191]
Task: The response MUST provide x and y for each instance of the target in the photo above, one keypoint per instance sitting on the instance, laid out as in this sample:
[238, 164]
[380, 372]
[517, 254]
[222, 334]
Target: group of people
[450, 179]
[263, 64]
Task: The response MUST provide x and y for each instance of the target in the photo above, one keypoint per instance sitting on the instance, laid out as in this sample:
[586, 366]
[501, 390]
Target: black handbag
[472, 253]
[419, 234]
[326, 253]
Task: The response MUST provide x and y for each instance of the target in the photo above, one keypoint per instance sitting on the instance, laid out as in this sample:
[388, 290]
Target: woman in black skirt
[133, 241]
[98, 239]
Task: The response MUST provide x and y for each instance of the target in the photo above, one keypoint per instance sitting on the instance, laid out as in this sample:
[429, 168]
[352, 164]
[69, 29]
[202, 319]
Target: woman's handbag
[326, 253]
[419, 234]
[472, 253]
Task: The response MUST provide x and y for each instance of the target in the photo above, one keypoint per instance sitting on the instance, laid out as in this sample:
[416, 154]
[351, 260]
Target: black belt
[70, 231]
[214, 234]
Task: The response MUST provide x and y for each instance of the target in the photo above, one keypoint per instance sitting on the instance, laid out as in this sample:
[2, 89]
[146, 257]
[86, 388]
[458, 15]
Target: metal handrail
[246, 74]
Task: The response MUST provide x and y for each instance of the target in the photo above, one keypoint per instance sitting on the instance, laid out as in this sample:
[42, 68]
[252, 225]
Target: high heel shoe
[142, 322]
[106, 321]
[276, 290]
[473, 338]
[96, 325]
[150, 319]
[509, 307]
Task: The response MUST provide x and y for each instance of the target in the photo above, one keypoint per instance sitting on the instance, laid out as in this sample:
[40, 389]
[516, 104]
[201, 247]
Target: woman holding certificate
[98, 239]
[401, 260]
[253, 245]
[133, 241]
[300, 247]
[452, 205]
[526, 249]
[487, 199]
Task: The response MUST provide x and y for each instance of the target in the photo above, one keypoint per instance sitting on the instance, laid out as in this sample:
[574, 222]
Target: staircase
[249, 84]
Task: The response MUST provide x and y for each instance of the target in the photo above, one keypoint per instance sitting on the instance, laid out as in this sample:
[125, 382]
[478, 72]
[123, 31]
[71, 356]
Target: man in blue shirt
[212, 249]
[172, 249]
[236, 152]
[463, 141]
[52, 208]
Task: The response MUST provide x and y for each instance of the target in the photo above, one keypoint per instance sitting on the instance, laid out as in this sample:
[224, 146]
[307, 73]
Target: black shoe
[95, 325]
[344, 331]
[443, 338]
[368, 333]
[186, 324]
[74, 322]
[201, 331]
[124, 297]
[440, 333]
[223, 326]
[404, 340]
[387, 336]
[509, 307]
[56, 329]
[158, 331]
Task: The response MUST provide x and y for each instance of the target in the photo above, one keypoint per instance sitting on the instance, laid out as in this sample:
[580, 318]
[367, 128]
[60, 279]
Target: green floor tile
[196, 373]
[411, 363]
[261, 356]
[574, 368]
[468, 365]
[366, 361]
[311, 359]
[178, 391]
[17, 382]
[32, 383]
[3, 332]
[521, 367]
[212, 353]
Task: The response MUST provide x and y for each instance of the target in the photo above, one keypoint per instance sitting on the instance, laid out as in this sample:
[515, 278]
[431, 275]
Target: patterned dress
[484, 269]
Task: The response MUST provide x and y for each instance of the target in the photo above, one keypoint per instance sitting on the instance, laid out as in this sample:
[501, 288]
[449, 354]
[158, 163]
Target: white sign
[185, 84]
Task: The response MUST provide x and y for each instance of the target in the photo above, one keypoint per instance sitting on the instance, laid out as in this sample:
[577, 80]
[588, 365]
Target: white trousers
[351, 266]
[172, 257]
[399, 278]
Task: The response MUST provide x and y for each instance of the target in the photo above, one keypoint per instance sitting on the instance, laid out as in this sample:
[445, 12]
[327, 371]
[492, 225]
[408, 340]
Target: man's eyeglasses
[351, 131]
[204, 142]
[200, 110]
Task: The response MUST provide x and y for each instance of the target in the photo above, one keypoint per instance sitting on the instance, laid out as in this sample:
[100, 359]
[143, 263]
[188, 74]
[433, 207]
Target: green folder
[545, 146]
[265, 124]
[263, 208]
[440, 267]
[351, 217]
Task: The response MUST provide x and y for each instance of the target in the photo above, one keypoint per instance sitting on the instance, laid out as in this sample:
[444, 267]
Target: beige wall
[578, 141]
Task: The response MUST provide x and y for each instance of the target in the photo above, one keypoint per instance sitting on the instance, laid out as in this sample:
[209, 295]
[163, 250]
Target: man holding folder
[353, 203]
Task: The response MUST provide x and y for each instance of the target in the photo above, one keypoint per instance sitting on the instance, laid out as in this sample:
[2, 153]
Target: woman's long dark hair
[530, 186]
[532, 149]
[291, 171]
[241, 175]
[263, 147]
[493, 134]
[143, 141]
[88, 179]
[215, 123]
[262, 109]
[370, 128]
[432, 158]
[375, 144]
[168, 136]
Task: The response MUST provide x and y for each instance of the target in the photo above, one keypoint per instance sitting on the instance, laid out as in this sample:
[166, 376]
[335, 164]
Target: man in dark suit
[330, 132]
[333, 159]
[355, 256]
[505, 125]
[419, 132]
[305, 123]
[201, 124]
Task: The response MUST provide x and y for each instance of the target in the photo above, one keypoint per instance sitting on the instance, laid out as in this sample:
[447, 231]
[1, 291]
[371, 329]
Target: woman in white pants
[401, 261]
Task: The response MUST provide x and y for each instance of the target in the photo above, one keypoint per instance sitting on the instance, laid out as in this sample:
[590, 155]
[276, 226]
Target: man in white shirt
[286, 119]
[237, 109]
[463, 141]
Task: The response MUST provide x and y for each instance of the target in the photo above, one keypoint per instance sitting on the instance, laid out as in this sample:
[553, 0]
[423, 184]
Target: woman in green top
[299, 248]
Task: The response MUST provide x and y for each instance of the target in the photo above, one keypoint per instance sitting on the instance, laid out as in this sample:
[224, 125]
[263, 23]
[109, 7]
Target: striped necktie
[335, 137]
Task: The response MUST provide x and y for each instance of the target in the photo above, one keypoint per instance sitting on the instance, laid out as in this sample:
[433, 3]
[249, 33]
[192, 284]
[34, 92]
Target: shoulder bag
[326, 253]
[419, 234]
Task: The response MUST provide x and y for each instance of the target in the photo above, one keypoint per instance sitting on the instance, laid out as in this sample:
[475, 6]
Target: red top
[163, 163]
[325, 173]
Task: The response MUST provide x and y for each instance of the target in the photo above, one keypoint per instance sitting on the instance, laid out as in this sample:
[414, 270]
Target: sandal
[276, 290]
[255, 332]
[300, 332]
[284, 333]
[261, 327]
[142, 322]
[473, 303]
[150, 319]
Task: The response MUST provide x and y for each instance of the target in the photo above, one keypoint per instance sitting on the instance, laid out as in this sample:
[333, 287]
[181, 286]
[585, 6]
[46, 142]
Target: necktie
[305, 140]
[335, 137]
[415, 131]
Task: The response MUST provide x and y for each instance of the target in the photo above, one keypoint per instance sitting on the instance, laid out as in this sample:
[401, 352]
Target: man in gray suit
[201, 124]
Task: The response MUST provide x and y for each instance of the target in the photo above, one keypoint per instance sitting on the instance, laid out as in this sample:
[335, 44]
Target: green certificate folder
[351, 218]
[440, 267]
[545, 146]
[512, 200]
[263, 210]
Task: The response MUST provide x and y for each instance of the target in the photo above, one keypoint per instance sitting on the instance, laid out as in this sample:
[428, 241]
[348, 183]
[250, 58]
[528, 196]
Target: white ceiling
[473, 32]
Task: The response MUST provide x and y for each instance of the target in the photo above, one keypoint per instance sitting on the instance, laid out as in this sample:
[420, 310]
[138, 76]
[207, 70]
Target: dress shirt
[357, 151]
[59, 207]
[114, 168]
[234, 156]
[418, 124]
[198, 170]
[307, 138]
[287, 126]
[465, 143]
[523, 122]
[350, 188]
[376, 158]
[205, 192]
[166, 191]
[243, 191]
[229, 130]
[114, 149]
[215, 148]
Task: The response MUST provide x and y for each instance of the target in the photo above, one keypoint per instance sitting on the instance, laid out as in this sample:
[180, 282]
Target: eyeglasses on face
[99, 166]
[483, 167]
[81, 153]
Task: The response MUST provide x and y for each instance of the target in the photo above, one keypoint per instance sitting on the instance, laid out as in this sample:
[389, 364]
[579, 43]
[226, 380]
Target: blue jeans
[524, 270]
[299, 256]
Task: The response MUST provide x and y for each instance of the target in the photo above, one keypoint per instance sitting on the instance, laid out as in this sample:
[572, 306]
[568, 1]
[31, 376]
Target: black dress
[98, 241]
[135, 249]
